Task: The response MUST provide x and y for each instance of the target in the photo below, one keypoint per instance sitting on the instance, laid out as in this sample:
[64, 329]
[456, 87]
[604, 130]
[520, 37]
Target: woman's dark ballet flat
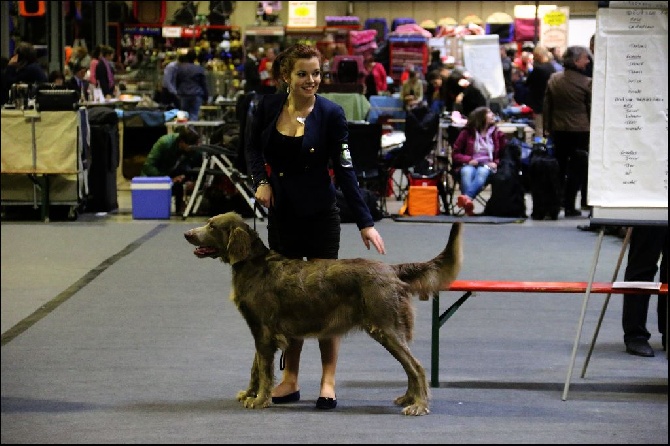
[290, 398]
[324, 403]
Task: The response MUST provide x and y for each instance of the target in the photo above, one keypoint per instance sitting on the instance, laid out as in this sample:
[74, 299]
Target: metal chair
[365, 146]
[421, 126]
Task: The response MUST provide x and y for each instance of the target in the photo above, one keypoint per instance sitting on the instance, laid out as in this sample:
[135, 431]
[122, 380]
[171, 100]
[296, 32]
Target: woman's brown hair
[26, 54]
[188, 135]
[285, 61]
[477, 118]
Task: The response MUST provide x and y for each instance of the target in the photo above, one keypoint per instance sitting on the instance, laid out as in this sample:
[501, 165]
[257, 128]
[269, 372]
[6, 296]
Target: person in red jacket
[476, 154]
[375, 76]
[268, 84]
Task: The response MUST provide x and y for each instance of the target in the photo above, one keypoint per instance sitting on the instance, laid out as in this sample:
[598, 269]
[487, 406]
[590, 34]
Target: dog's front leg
[252, 390]
[263, 367]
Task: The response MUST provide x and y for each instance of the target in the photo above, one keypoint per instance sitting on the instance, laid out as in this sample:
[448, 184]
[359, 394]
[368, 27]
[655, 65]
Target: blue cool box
[152, 197]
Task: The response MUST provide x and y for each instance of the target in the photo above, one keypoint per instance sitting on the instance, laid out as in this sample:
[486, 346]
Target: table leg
[45, 199]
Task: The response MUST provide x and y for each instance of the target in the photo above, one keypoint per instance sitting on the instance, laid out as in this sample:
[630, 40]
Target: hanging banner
[481, 57]
[554, 28]
[302, 14]
[628, 154]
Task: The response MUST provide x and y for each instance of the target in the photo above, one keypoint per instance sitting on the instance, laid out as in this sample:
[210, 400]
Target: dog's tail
[426, 278]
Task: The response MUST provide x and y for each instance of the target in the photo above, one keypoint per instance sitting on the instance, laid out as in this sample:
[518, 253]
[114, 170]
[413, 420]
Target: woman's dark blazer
[306, 186]
[102, 77]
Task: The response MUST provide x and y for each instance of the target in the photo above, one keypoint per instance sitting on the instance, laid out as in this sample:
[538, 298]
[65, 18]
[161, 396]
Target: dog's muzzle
[200, 251]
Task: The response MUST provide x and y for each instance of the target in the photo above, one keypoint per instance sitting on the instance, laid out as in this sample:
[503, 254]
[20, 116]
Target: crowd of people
[295, 185]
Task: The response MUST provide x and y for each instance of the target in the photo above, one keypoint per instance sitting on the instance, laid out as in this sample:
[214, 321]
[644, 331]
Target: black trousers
[647, 244]
[315, 236]
[169, 99]
[571, 151]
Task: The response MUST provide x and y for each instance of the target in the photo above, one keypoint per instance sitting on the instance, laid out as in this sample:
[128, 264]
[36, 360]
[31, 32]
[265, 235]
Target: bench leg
[435, 343]
[438, 321]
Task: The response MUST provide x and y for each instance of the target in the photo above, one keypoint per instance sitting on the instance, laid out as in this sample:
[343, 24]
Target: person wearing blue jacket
[191, 86]
[296, 138]
[23, 68]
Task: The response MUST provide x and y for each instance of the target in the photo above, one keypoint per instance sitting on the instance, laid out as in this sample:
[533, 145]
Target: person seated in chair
[476, 154]
[437, 94]
[411, 91]
[173, 155]
[78, 82]
[375, 76]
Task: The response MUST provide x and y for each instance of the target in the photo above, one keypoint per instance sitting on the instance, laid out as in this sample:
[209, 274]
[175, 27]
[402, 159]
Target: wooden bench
[491, 286]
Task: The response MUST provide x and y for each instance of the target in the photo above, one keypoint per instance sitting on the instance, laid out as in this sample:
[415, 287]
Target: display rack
[262, 35]
[404, 48]
[142, 80]
[317, 35]
[154, 38]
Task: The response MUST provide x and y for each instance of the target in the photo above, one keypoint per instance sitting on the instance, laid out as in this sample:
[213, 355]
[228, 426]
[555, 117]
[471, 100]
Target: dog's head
[227, 237]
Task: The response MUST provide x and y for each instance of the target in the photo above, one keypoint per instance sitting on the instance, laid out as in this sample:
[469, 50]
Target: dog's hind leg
[415, 400]
[252, 390]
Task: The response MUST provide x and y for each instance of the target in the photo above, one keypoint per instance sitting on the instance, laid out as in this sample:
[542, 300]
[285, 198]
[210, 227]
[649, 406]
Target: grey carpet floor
[146, 346]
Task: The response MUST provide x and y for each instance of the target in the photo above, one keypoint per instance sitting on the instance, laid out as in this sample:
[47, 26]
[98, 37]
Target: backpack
[507, 191]
[545, 183]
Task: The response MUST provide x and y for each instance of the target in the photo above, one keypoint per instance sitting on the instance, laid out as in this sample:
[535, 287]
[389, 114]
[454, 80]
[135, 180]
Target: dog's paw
[256, 403]
[242, 395]
[416, 410]
[404, 400]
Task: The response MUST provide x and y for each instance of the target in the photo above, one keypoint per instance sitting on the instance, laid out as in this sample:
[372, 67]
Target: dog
[282, 298]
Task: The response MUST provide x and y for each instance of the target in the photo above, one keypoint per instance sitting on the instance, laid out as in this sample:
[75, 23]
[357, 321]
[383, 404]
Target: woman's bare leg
[289, 383]
[329, 352]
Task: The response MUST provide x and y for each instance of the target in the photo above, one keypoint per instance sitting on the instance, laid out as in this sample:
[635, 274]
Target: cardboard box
[151, 197]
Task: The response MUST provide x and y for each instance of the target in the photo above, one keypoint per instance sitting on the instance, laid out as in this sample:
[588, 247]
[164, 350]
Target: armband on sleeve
[345, 157]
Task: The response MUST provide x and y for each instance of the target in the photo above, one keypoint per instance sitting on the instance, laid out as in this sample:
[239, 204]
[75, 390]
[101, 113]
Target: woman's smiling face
[305, 77]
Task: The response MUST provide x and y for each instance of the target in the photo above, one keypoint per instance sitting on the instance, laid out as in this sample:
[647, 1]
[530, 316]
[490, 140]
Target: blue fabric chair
[385, 106]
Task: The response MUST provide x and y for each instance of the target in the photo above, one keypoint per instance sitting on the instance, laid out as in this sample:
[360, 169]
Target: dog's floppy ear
[239, 245]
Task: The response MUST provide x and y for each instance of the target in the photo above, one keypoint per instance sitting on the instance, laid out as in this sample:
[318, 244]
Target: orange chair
[32, 9]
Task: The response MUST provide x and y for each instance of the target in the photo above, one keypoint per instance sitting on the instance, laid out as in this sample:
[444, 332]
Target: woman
[536, 81]
[79, 58]
[411, 91]
[375, 78]
[438, 95]
[567, 119]
[295, 137]
[476, 154]
[95, 55]
[268, 84]
[23, 67]
[104, 71]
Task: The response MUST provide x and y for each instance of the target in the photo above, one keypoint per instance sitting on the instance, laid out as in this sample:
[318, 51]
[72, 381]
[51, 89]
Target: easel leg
[196, 187]
[607, 299]
[581, 317]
